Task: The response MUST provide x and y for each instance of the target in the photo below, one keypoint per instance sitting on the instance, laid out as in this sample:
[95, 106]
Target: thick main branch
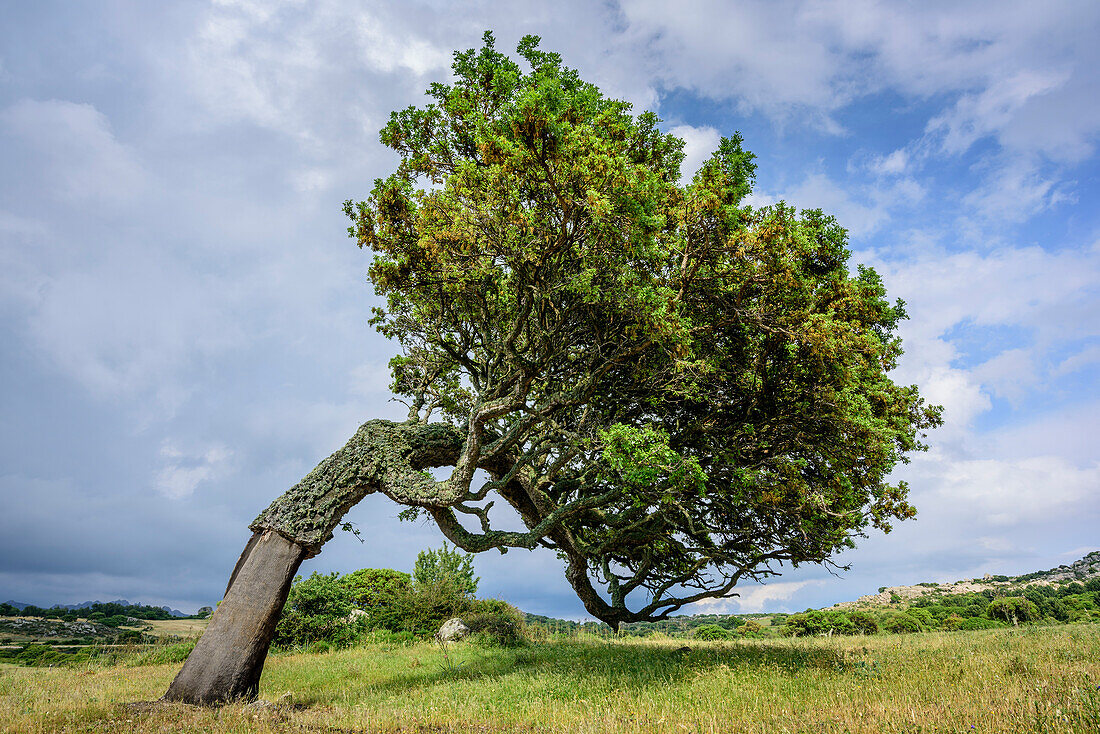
[382, 456]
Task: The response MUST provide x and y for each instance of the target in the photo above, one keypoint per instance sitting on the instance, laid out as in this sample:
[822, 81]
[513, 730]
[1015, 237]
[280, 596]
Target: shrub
[374, 587]
[1013, 609]
[817, 622]
[423, 608]
[952, 622]
[711, 632]
[316, 610]
[923, 616]
[751, 629]
[495, 623]
[864, 623]
[901, 624]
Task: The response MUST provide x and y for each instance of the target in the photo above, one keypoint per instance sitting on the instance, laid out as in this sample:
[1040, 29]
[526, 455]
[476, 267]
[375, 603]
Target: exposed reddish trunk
[227, 661]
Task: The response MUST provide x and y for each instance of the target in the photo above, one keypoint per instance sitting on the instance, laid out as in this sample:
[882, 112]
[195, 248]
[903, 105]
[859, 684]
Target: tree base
[228, 660]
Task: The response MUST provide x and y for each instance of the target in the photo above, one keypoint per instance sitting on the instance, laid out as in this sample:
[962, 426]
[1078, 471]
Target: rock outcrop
[453, 629]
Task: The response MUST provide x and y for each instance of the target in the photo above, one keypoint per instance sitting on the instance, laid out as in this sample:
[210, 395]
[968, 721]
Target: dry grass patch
[994, 681]
[177, 627]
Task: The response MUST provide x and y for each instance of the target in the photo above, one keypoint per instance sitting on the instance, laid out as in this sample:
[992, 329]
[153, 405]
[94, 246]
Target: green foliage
[979, 623]
[674, 388]
[900, 623]
[423, 608]
[446, 566]
[1013, 609]
[711, 632]
[864, 623]
[317, 609]
[371, 587]
[752, 630]
[494, 623]
[818, 622]
[95, 611]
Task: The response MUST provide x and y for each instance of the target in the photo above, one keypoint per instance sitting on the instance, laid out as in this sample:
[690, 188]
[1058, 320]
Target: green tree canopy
[675, 391]
[447, 566]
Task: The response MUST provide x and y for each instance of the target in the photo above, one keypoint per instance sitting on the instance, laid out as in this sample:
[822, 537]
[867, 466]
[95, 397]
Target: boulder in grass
[453, 629]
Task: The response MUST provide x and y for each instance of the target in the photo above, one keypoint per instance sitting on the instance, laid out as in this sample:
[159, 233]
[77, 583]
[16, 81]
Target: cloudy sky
[183, 319]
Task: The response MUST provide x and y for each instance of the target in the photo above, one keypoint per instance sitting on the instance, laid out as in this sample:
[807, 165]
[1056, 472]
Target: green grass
[1037, 679]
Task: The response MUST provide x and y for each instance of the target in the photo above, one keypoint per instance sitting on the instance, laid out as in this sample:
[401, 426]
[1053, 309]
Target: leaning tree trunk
[228, 660]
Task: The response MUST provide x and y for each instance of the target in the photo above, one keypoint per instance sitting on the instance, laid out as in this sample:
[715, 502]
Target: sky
[183, 320]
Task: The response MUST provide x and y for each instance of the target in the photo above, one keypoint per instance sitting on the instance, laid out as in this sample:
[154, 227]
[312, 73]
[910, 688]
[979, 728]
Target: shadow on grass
[593, 664]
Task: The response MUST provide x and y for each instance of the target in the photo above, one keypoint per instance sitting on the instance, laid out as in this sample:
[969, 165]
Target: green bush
[864, 623]
[1013, 609]
[316, 610]
[751, 630]
[496, 626]
[711, 632]
[901, 624]
[423, 608]
[375, 587]
[952, 622]
[818, 622]
[923, 616]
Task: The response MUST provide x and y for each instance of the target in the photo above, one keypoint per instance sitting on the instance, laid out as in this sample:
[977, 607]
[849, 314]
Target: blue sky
[183, 320]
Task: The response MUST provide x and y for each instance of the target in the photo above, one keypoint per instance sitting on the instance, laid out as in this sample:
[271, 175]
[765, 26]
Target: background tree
[446, 566]
[674, 391]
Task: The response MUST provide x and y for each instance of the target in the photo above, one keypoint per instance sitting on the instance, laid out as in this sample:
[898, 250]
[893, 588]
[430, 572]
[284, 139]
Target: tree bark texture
[382, 456]
[227, 661]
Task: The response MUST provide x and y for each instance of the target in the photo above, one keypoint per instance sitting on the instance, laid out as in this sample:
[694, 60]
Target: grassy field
[177, 627]
[1025, 680]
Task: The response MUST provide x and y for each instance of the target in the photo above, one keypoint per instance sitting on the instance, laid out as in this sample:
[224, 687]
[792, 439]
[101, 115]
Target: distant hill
[120, 602]
[17, 604]
[1080, 570]
[85, 604]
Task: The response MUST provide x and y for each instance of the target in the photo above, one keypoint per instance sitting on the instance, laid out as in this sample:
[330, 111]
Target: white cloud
[1015, 190]
[1079, 361]
[386, 51]
[128, 323]
[754, 598]
[818, 191]
[371, 379]
[1082, 551]
[183, 472]
[894, 164]
[1012, 374]
[975, 116]
[1034, 490]
[700, 143]
[74, 150]
[957, 391]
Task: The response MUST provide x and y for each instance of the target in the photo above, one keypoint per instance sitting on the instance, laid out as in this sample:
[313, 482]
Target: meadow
[1035, 679]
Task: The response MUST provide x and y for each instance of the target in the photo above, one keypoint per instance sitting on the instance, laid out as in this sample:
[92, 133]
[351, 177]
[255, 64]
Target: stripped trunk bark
[228, 660]
[382, 456]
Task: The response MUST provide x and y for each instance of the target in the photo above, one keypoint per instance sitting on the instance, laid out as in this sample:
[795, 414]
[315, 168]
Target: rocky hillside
[46, 629]
[1081, 570]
